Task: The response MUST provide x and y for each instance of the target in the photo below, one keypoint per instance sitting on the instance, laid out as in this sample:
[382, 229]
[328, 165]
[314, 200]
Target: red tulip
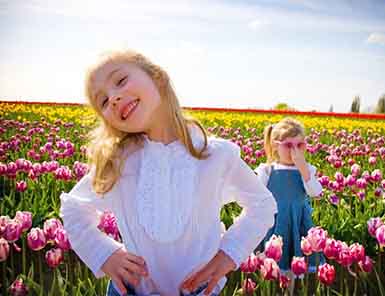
[273, 247]
[298, 265]
[326, 274]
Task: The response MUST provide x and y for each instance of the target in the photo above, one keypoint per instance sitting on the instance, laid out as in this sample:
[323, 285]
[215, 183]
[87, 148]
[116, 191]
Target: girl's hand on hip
[123, 267]
[212, 272]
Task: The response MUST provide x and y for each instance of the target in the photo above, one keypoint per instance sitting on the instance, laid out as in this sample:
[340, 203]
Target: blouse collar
[196, 137]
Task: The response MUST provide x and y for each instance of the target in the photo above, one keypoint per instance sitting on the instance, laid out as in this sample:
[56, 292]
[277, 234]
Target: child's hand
[298, 157]
[123, 267]
[212, 272]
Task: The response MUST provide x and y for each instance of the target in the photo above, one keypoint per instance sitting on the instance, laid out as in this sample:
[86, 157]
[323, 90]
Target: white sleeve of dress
[263, 173]
[258, 208]
[313, 187]
[80, 209]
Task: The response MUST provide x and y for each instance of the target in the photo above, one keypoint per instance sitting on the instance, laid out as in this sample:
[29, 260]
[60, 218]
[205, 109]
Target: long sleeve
[313, 187]
[258, 208]
[80, 213]
[263, 173]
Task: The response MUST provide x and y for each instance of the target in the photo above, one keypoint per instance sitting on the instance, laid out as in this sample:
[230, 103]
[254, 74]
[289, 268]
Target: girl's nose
[115, 100]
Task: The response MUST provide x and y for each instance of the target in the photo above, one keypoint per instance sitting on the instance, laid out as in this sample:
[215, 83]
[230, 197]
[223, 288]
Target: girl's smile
[127, 97]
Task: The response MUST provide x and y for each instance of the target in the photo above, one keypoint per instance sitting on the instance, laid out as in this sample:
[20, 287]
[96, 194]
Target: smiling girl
[166, 182]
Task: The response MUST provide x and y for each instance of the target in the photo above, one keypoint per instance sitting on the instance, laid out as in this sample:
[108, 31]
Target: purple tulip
[18, 288]
[50, 227]
[4, 249]
[54, 257]
[61, 239]
[12, 230]
[376, 175]
[25, 219]
[36, 239]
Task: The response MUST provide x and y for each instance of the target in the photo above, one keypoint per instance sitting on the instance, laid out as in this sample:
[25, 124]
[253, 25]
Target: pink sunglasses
[291, 144]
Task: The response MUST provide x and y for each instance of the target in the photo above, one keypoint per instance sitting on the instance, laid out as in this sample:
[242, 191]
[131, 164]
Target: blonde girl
[166, 182]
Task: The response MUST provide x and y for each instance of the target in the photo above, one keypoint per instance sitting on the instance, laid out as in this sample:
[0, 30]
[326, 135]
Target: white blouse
[167, 205]
[312, 187]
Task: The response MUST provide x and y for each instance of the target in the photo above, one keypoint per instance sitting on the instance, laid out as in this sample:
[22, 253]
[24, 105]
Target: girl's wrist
[304, 171]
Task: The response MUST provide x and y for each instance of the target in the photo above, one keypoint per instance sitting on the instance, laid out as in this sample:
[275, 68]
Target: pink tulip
[298, 265]
[54, 257]
[25, 218]
[21, 186]
[337, 164]
[380, 235]
[332, 248]
[18, 288]
[306, 246]
[339, 177]
[61, 239]
[270, 269]
[249, 266]
[355, 170]
[345, 257]
[248, 287]
[4, 249]
[376, 175]
[326, 274]
[284, 282]
[63, 173]
[108, 224]
[273, 247]
[361, 183]
[79, 169]
[357, 251]
[372, 160]
[36, 239]
[259, 260]
[12, 231]
[373, 224]
[350, 180]
[3, 224]
[50, 227]
[366, 264]
[317, 238]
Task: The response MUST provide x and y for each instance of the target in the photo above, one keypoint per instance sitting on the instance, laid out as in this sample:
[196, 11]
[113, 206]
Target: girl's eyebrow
[108, 78]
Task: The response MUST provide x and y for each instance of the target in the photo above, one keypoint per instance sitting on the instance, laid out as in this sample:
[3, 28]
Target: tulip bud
[54, 257]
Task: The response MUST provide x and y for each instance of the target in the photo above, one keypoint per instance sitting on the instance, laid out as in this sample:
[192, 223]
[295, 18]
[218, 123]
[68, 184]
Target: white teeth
[127, 110]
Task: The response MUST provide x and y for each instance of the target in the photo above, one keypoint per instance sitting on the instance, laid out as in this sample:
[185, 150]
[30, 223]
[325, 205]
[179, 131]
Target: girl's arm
[259, 206]
[80, 213]
[312, 186]
[308, 172]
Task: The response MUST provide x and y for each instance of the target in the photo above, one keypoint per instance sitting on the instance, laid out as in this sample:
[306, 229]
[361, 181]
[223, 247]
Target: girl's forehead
[103, 73]
[298, 137]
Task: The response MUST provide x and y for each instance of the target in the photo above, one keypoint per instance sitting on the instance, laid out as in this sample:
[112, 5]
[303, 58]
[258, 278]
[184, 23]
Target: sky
[219, 53]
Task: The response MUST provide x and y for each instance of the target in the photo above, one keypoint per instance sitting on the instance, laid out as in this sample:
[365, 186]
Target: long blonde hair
[287, 127]
[107, 144]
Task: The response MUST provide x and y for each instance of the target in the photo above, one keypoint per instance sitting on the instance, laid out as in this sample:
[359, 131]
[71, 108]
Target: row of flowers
[218, 109]
[51, 235]
[317, 241]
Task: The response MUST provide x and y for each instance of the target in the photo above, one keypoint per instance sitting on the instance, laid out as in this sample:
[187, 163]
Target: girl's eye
[104, 102]
[120, 81]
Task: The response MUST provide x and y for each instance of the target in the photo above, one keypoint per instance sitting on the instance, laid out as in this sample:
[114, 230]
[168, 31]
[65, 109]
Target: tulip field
[43, 153]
